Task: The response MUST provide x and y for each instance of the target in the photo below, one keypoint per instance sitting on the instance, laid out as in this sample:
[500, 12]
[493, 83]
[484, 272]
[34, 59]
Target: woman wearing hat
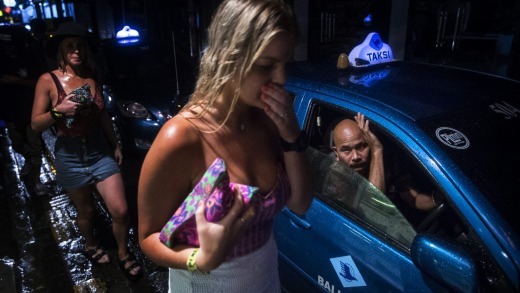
[86, 151]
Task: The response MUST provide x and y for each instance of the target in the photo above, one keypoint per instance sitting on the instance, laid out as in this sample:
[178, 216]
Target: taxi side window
[354, 196]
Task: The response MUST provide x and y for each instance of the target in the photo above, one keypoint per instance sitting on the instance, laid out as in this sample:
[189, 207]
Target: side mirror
[446, 261]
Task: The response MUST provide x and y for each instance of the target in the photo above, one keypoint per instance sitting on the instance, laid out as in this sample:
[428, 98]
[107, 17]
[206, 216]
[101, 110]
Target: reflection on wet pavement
[41, 248]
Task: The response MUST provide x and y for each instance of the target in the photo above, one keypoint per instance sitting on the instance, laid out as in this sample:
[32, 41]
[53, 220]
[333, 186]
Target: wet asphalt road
[41, 248]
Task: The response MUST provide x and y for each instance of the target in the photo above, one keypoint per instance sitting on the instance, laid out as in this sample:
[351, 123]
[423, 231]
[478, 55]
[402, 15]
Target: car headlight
[134, 109]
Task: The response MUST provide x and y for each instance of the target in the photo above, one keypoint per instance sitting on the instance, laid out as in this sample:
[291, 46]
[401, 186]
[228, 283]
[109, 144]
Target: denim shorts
[81, 161]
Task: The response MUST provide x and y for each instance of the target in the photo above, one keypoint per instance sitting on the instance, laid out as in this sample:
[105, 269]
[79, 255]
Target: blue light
[128, 41]
[371, 78]
[367, 19]
[127, 32]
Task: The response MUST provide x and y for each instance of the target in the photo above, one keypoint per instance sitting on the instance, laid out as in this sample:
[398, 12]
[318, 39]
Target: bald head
[346, 130]
[351, 146]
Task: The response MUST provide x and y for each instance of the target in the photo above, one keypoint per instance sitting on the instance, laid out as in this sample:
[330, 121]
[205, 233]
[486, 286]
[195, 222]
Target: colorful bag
[217, 192]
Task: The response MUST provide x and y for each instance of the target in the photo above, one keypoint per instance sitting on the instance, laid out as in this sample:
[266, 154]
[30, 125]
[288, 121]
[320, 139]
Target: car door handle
[298, 221]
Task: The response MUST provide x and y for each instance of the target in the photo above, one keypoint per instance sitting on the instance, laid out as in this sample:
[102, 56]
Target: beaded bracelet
[55, 114]
[190, 263]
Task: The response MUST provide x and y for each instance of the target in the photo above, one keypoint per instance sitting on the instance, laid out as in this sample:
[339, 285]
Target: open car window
[387, 214]
[355, 197]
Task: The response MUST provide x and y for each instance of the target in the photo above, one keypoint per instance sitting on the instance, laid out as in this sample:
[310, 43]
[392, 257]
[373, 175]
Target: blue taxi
[455, 131]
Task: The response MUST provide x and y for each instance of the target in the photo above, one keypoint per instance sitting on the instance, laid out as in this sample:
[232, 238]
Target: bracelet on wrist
[191, 262]
[55, 114]
[299, 145]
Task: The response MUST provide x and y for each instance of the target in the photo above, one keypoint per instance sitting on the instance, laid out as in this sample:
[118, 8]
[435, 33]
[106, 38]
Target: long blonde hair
[240, 30]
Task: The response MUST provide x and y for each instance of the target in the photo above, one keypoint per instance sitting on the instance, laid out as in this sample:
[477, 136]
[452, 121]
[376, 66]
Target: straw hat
[67, 30]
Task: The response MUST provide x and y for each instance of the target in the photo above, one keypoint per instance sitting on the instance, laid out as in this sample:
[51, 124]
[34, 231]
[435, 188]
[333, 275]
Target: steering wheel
[431, 217]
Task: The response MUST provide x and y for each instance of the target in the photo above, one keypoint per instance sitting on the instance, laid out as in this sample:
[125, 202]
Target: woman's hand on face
[279, 107]
[217, 239]
[68, 107]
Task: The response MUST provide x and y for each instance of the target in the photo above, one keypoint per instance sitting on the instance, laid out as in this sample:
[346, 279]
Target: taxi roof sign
[371, 51]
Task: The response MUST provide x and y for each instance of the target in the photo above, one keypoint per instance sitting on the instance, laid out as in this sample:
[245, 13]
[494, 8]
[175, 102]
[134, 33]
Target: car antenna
[175, 64]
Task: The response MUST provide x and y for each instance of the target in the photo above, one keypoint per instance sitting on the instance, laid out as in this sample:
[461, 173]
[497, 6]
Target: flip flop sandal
[96, 254]
[128, 270]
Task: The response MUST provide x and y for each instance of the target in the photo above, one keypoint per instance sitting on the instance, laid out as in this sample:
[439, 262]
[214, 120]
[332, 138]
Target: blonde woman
[241, 113]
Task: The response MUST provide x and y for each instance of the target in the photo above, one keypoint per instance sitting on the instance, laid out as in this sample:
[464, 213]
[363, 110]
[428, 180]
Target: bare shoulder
[178, 132]
[45, 86]
[174, 153]
[177, 140]
[45, 77]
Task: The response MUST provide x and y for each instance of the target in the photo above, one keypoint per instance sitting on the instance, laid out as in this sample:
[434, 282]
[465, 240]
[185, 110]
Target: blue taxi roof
[417, 90]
